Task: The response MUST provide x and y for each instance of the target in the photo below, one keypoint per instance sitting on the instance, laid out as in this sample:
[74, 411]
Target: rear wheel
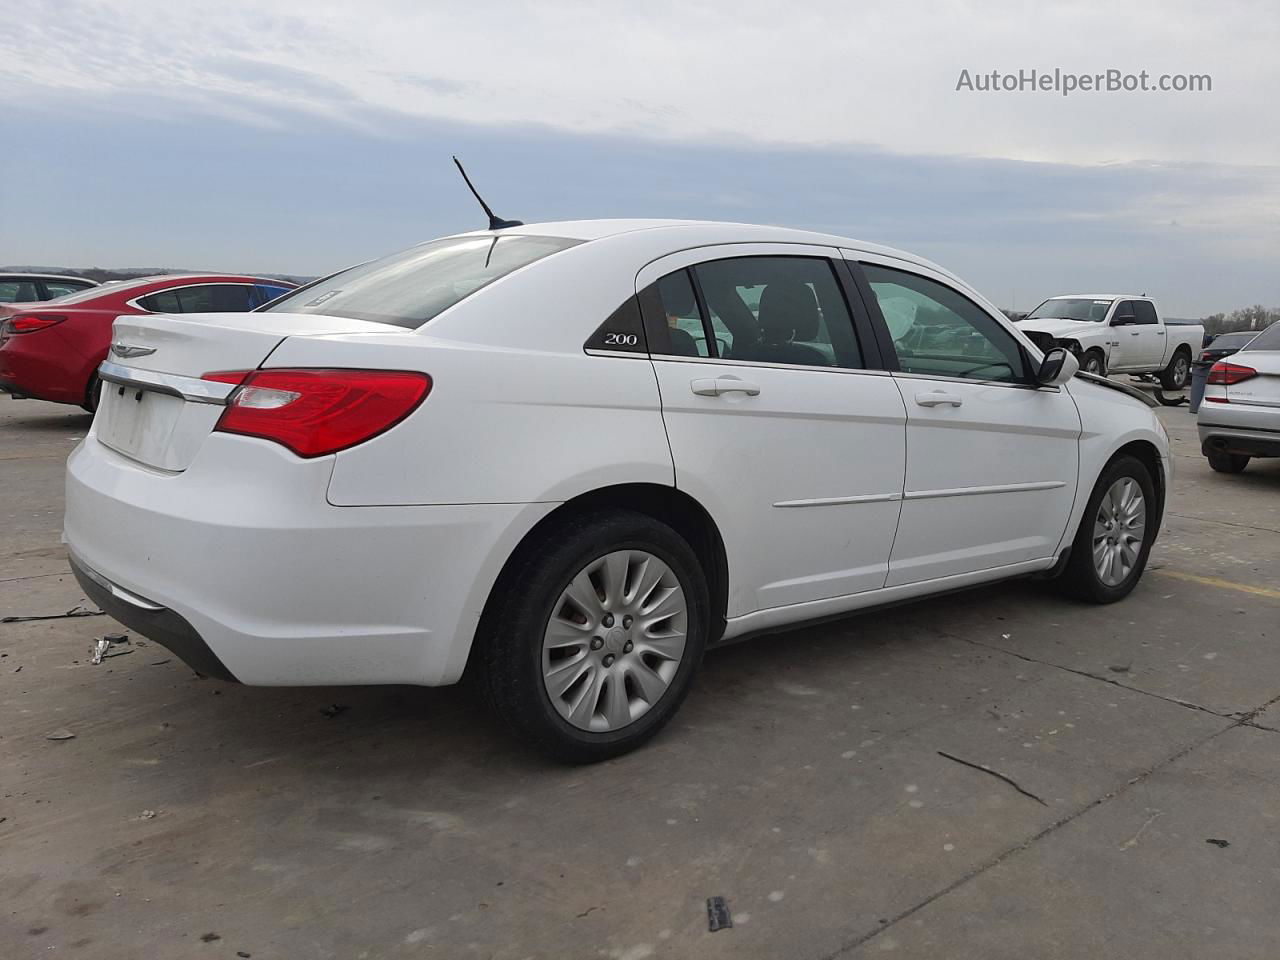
[1174, 376]
[1119, 523]
[592, 640]
[1094, 362]
[1225, 462]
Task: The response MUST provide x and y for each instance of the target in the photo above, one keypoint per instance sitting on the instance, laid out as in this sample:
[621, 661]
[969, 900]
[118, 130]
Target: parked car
[569, 457]
[1116, 333]
[1240, 416]
[1225, 344]
[34, 287]
[52, 351]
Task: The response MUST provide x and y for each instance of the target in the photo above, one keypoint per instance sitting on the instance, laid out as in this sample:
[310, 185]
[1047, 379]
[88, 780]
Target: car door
[1130, 349]
[992, 459]
[778, 422]
[1151, 346]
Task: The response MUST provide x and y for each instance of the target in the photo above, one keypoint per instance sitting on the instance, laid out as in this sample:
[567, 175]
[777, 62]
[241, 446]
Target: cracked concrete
[803, 780]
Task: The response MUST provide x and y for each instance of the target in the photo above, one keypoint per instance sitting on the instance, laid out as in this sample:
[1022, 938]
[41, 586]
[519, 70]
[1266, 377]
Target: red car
[51, 350]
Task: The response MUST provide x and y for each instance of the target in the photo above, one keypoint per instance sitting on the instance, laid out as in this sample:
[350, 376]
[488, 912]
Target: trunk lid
[155, 408]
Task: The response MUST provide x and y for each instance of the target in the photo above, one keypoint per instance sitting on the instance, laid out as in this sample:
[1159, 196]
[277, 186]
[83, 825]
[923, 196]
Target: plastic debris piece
[334, 709]
[102, 647]
[76, 611]
[1218, 843]
[148, 815]
[62, 733]
[718, 916]
[209, 937]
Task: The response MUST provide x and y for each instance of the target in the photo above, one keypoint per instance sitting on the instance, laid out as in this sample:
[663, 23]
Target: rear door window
[201, 298]
[60, 288]
[18, 291]
[1144, 311]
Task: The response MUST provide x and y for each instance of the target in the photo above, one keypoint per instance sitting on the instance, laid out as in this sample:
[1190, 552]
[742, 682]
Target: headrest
[677, 296]
[788, 311]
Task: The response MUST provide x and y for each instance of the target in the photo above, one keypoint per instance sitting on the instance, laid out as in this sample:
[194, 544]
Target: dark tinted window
[1144, 310]
[939, 332]
[683, 333]
[201, 298]
[1124, 309]
[60, 288]
[18, 291]
[407, 289]
[1268, 339]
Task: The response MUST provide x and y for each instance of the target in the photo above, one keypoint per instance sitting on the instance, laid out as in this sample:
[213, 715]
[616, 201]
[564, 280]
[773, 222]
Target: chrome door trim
[979, 491]
[835, 501]
[680, 358]
[898, 374]
[188, 388]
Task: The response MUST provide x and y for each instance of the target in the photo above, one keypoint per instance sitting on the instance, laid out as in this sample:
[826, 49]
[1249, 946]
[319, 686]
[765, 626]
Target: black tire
[1178, 372]
[511, 632]
[92, 394]
[1094, 362]
[1225, 462]
[1080, 579]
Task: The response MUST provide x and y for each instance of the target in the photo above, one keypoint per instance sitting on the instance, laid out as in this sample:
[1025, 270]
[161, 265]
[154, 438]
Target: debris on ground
[334, 709]
[999, 776]
[1218, 843]
[76, 611]
[62, 733]
[104, 644]
[244, 954]
[209, 937]
[718, 917]
[148, 815]
[159, 663]
[1120, 667]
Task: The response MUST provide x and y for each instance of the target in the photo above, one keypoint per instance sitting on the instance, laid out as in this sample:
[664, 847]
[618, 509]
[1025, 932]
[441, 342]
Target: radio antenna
[495, 223]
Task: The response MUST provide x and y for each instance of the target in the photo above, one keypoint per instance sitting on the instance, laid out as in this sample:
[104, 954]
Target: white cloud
[712, 73]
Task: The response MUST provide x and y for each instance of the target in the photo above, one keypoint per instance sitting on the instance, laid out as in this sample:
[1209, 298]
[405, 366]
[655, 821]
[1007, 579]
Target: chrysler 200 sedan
[570, 457]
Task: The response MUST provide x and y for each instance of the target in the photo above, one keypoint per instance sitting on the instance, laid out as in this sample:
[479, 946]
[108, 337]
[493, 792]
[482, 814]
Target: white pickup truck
[1116, 333]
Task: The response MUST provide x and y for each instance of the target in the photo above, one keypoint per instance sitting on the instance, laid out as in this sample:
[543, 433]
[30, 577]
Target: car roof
[18, 275]
[685, 233]
[1101, 296]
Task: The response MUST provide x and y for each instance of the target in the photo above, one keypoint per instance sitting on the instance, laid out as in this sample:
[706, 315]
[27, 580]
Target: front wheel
[1094, 362]
[93, 394]
[1174, 376]
[1115, 535]
[593, 638]
[1225, 462]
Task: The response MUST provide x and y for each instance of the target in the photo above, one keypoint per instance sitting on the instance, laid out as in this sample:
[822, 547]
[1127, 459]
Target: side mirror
[1057, 368]
[1123, 320]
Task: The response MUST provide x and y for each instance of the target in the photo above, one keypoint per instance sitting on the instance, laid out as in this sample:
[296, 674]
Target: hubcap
[614, 641]
[1180, 370]
[1092, 365]
[1118, 531]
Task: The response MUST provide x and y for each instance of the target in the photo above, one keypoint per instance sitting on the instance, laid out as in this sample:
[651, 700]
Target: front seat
[788, 311]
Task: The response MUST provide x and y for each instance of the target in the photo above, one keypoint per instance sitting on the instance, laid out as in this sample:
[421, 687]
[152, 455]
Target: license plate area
[146, 425]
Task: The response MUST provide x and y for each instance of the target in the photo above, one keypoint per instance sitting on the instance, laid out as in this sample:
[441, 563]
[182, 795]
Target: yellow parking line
[1219, 582]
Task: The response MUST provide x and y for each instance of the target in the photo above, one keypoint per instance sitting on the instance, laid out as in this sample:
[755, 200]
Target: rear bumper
[152, 620]
[1242, 440]
[246, 559]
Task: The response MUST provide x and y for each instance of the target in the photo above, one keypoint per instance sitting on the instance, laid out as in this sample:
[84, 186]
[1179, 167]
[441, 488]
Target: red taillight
[31, 322]
[314, 412]
[1225, 374]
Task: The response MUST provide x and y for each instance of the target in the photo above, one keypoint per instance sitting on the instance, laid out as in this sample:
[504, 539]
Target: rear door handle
[714, 387]
[937, 397]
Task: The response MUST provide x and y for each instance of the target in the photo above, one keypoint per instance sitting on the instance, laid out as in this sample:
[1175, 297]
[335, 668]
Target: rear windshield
[409, 288]
[1268, 339]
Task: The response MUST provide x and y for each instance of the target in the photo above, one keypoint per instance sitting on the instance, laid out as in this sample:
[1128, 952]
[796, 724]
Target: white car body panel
[831, 489]
[1246, 414]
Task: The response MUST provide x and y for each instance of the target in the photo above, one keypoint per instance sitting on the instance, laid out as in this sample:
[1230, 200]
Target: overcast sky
[298, 137]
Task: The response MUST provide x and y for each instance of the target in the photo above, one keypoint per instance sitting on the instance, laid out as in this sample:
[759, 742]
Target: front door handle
[1135, 333]
[714, 387]
[937, 397]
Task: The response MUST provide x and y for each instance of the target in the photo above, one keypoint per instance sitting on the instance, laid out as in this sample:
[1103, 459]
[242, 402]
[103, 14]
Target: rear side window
[264, 293]
[201, 298]
[408, 289]
[18, 291]
[60, 288]
[1144, 311]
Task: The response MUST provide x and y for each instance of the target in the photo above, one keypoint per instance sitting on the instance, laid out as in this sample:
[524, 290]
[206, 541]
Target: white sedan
[572, 456]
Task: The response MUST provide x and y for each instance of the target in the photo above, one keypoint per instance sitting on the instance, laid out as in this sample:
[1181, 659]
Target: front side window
[1124, 313]
[939, 332]
[408, 289]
